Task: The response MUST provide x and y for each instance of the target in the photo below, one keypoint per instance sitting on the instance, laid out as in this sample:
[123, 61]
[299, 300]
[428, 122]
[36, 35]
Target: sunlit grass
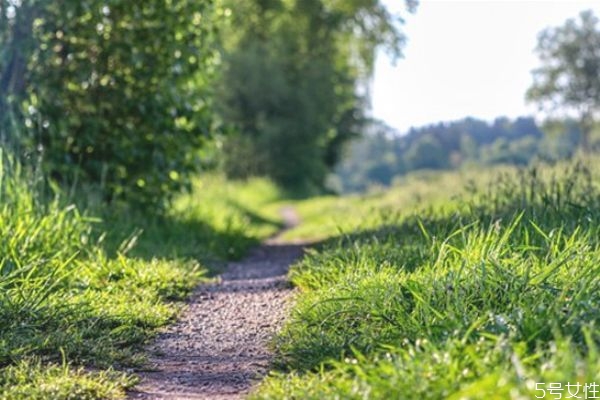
[480, 295]
[79, 291]
[329, 216]
[32, 380]
[215, 220]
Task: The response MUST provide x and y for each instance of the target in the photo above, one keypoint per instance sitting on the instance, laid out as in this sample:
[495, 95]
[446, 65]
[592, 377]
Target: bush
[112, 92]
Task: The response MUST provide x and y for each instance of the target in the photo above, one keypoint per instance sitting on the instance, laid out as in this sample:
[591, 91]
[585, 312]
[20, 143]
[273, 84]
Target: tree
[568, 80]
[427, 153]
[114, 93]
[290, 83]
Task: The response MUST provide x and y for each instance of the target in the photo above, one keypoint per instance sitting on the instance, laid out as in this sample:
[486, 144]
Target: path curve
[218, 349]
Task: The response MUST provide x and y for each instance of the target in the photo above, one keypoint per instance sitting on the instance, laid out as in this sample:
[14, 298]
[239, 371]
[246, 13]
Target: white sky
[465, 58]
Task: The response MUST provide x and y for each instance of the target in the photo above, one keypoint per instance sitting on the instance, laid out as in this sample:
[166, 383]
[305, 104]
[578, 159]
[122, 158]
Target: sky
[465, 58]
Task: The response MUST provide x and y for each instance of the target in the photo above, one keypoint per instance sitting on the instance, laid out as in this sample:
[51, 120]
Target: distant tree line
[566, 86]
[381, 154]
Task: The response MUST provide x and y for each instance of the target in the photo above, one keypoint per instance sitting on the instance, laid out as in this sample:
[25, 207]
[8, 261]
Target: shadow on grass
[253, 217]
[546, 214]
[86, 336]
[176, 237]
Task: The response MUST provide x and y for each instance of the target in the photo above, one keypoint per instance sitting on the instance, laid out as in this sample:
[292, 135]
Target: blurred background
[129, 101]
[459, 97]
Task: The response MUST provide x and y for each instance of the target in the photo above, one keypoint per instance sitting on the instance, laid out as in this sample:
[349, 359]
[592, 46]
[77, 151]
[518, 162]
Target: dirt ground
[218, 349]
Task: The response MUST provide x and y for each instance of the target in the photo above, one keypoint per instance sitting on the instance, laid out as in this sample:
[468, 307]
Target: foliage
[111, 93]
[426, 152]
[477, 297]
[381, 155]
[291, 81]
[568, 78]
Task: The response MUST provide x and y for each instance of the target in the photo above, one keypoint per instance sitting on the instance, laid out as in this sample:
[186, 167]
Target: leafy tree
[292, 71]
[569, 77]
[514, 152]
[113, 92]
[427, 153]
[468, 147]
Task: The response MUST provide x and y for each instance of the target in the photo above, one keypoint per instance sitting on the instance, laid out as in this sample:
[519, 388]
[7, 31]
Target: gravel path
[219, 347]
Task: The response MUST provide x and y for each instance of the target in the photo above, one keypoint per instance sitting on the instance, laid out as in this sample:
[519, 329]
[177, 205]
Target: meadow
[473, 285]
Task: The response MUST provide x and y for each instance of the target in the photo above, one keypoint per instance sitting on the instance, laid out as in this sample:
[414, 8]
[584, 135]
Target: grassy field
[481, 285]
[80, 295]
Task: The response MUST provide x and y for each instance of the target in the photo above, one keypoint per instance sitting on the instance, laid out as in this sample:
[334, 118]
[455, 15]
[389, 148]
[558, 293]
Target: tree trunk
[12, 73]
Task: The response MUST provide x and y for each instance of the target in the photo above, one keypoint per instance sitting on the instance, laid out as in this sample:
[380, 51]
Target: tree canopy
[294, 83]
[120, 95]
[568, 80]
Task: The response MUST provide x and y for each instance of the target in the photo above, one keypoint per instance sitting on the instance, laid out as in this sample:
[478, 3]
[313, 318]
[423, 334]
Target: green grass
[32, 380]
[460, 285]
[473, 295]
[331, 216]
[80, 296]
[215, 220]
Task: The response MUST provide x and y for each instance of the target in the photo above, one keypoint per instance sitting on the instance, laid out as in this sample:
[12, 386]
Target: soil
[219, 348]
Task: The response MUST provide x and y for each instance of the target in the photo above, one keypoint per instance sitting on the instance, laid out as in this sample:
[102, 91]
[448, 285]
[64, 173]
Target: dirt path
[218, 348]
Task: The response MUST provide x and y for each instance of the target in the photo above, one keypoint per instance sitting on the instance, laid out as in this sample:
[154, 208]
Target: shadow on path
[219, 347]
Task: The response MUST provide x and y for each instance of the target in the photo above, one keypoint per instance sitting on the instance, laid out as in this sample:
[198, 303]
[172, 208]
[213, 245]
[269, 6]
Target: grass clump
[31, 380]
[479, 297]
[62, 298]
[76, 302]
